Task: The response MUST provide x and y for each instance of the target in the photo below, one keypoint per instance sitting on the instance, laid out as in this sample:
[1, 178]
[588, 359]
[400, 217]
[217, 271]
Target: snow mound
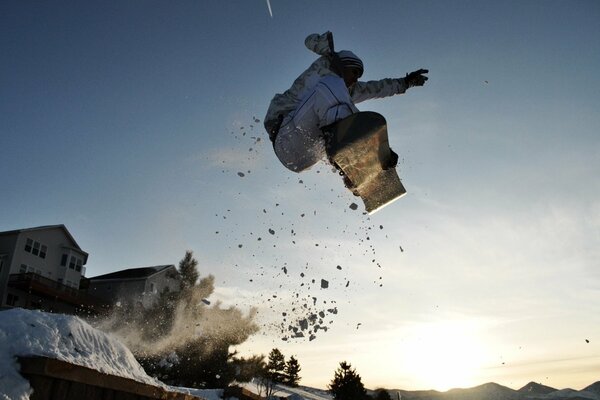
[61, 337]
[292, 393]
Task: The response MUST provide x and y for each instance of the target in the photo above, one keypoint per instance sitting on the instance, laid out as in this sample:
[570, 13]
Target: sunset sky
[138, 125]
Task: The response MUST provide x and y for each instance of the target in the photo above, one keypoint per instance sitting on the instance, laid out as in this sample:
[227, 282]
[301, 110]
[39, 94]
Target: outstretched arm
[362, 91]
[387, 87]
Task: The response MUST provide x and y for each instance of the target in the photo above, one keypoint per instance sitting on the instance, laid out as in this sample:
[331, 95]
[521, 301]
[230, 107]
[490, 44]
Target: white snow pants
[299, 144]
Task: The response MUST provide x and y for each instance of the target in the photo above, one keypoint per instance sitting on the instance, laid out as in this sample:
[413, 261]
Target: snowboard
[358, 147]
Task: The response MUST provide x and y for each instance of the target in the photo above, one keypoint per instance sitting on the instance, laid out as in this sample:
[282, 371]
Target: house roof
[47, 227]
[133, 273]
[44, 227]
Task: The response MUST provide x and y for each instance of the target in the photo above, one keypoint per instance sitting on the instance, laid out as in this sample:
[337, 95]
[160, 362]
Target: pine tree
[250, 368]
[276, 366]
[188, 270]
[382, 394]
[347, 384]
[292, 372]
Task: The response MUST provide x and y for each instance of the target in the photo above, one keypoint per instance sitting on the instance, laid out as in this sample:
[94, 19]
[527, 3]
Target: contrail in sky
[270, 11]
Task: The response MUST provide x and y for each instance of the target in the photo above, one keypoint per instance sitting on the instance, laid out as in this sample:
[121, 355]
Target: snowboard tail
[358, 147]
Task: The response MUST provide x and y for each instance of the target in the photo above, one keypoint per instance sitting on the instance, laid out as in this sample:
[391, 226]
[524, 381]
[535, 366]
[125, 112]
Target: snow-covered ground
[68, 338]
[297, 393]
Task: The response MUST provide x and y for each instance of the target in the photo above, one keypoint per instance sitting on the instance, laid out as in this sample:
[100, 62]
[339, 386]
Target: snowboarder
[322, 95]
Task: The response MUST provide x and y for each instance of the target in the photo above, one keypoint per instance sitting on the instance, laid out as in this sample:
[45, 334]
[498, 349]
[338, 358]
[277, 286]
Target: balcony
[36, 284]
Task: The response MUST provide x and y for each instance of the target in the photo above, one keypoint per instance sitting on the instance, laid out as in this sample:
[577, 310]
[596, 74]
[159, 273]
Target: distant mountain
[493, 391]
[488, 391]
[536, 388]
[569, 394]
[594, 388]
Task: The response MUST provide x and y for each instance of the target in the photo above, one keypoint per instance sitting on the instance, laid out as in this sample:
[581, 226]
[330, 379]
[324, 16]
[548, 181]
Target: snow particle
[353, 206]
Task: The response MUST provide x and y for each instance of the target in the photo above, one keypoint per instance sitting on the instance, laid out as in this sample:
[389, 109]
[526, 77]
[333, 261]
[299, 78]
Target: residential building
[135, 286]
[42, 267]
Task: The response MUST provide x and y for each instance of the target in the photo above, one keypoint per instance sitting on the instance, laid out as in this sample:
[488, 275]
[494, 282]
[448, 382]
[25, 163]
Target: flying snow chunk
[353, 206]
[324, 284]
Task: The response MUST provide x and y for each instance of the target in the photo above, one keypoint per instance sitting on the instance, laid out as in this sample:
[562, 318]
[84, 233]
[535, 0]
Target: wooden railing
[58, 380]
[36, 283]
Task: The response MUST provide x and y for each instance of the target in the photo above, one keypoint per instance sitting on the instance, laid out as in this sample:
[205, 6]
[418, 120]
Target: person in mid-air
[322, 95]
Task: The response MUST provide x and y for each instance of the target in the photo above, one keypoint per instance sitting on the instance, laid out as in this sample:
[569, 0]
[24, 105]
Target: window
[63, 260]
[60, 280]
[72, 263]
[36, 248]
[78, 266]
[152, 288]
[23, 269]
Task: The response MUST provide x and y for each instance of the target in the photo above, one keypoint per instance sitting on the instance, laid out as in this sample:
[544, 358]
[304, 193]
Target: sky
[138, 126]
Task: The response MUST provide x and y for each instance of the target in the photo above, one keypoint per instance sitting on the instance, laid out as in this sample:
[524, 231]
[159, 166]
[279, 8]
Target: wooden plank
[78, 390]
[119, 395]
[43, 387]
[93, 393]
[107, 394]
[64, 373]
[60, 390]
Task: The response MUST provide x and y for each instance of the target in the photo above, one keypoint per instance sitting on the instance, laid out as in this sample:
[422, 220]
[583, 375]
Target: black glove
[416, 78]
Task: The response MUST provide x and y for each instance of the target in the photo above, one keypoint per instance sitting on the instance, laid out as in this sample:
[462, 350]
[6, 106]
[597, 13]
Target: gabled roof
[133, 273]
[46, 227]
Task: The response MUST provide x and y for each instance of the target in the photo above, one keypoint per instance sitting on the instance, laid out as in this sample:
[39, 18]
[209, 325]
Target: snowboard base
[358, 147]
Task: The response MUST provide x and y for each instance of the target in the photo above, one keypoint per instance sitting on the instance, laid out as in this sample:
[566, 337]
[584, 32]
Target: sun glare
[445, 355]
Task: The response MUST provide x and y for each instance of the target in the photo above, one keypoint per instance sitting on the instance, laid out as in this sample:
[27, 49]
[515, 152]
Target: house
[43, 268]
[135, 286]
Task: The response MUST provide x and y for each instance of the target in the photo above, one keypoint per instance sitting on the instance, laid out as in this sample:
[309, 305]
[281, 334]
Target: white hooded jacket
[284, 103]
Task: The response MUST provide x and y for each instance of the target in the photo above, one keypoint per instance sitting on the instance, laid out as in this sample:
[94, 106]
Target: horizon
[139, 127]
